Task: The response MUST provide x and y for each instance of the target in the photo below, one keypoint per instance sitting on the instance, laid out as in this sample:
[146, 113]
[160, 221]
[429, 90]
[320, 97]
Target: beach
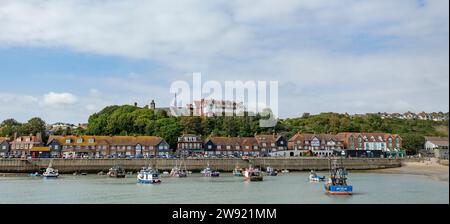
[430, 168]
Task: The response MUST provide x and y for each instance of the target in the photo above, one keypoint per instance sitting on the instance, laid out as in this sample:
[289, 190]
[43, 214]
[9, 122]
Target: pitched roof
[224, 140]
[107, 140]
[441, 141]
[3, 139]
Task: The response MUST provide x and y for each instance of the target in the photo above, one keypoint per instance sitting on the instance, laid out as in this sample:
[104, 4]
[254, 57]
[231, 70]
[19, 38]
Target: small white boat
[148, 175]
[208, 172]
[285, 171]
[50, 173]
[313, 177]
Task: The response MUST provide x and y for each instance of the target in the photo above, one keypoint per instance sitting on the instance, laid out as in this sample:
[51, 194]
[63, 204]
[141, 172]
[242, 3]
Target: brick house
[189, 144]
[22, 145]
[272, 145]
[108, 146]
[317, 144]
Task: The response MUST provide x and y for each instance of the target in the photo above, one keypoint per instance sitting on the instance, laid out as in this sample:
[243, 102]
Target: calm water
[293, 188]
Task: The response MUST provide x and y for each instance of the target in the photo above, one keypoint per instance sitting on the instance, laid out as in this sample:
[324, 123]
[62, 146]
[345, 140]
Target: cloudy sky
[64, 60]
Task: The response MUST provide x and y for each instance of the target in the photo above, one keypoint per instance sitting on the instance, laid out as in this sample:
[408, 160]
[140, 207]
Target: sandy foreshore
[430, 169]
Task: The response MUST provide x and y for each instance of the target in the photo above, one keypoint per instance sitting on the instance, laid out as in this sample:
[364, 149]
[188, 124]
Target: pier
[225, 165]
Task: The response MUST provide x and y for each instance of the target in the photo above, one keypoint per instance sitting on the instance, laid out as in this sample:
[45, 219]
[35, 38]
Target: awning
[40, 149]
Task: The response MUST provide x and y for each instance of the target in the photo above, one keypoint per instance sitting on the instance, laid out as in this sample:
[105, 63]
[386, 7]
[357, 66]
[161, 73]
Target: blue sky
[64, 60]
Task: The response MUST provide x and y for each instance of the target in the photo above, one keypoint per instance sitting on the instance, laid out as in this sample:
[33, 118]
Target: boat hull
[149, 181]
[339, 190]
[317, 179]
[254, 179]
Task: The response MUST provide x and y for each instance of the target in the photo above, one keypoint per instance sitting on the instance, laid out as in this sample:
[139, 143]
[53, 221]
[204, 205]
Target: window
[56, 147]
[397, 142]
[209, 146]
[255, 147]
[80, 140]
[219, 147]
[91, 140]
[247, 147]
[68, 141]
[3, 147]
[228, 147]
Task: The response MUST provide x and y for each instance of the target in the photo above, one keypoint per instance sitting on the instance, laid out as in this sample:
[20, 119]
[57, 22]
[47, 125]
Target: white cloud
[333, 55]
[59, 99]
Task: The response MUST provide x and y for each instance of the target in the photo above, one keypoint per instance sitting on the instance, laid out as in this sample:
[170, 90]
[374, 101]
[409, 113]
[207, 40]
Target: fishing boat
[237, 172]
[50, 172]
[337, 182]
[148, 175]
[252, 174]
[313, 177]
[209, 172]
[271, 171]
[117, 172]
[178, 172]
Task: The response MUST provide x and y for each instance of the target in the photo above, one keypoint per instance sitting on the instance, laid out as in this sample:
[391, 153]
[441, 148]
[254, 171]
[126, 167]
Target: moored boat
[117, 172]
[252, 174]
[148, 175]
[209, 172]
[270, 171]
[50, 173]
[313, 177]
[37, 174]
[237, 172]
[337, 182]
[178, 172]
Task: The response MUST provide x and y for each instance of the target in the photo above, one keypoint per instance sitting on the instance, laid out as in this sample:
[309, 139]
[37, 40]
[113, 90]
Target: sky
[64, 60]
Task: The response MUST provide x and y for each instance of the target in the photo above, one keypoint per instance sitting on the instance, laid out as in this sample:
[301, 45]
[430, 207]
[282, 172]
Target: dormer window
[91, 140]
[68, 141]
[80, 140]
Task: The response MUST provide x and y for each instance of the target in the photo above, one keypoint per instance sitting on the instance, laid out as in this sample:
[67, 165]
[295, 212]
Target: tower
[153, 105]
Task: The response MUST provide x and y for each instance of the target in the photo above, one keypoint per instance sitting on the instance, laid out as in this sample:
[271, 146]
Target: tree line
[131, 120]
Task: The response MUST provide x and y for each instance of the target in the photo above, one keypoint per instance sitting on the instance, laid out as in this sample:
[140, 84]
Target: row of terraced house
[300, 144]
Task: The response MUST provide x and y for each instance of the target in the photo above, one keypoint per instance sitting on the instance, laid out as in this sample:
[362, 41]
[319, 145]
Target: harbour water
[292, 188]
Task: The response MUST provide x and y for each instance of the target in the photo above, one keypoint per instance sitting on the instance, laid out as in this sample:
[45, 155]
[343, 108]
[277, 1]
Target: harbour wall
[226, 165]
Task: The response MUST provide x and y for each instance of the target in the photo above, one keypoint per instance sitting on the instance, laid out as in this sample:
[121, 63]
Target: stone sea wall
[97, 165]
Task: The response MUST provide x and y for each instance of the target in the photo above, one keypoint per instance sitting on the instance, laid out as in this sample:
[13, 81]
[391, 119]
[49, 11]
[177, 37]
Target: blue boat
[35, 174]
[337, 183]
